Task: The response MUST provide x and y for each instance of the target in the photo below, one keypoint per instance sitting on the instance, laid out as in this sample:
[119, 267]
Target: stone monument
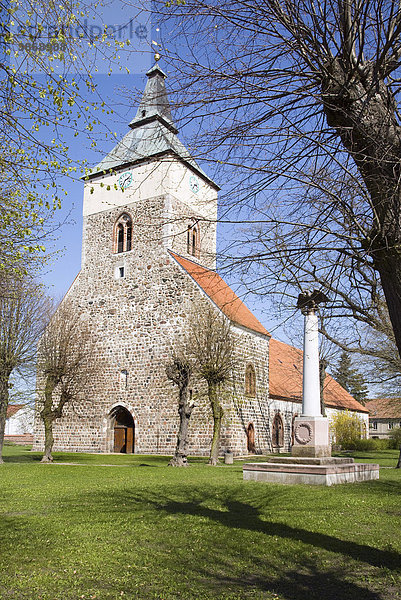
[311, 460]
[311, 429]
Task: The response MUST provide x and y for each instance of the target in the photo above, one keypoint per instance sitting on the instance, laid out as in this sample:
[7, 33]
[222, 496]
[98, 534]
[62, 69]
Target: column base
[311, 437]
[311, 451]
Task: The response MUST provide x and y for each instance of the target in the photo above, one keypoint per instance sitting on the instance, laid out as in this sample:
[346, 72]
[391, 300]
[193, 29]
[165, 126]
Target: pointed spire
[154, 104]
[152, 133]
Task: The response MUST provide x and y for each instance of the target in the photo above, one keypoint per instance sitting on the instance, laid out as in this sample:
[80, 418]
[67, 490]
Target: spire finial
[157, 56]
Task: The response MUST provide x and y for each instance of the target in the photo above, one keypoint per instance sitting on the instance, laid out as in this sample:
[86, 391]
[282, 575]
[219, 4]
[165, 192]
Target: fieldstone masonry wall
[135, 320]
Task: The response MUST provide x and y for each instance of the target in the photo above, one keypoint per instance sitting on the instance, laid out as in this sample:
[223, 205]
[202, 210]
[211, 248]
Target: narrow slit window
[120, 238]
[193, 240]
[129, 236]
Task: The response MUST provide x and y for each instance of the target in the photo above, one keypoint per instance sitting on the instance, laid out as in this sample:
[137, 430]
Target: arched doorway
[123, 430]
[278, 432]
[250, 434]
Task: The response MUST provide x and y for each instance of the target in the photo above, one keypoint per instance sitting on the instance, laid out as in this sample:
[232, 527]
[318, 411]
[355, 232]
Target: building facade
[384, 416]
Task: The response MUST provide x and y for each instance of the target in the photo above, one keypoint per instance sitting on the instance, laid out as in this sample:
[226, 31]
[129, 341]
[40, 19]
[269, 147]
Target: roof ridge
[223, 296]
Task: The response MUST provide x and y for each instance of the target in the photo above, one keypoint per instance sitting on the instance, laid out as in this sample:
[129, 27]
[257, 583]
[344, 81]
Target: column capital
[309, 300]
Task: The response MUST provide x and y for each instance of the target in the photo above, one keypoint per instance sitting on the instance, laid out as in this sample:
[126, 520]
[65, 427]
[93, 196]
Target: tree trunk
[49, 439]
[185, 408]
[362, 111]
[390, 276]
[398, 466]
[4, 379]
[47, 416]
[217, 418]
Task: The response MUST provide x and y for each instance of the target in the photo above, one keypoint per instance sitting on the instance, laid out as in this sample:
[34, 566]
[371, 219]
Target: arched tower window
[250, 381]
[278, 432]
[123, 234]
[193, 240]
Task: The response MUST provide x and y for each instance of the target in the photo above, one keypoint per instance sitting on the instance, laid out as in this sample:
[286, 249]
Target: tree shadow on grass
[21, 456]
[240, 515]
[245, 516]
[220, 572]
[303, 581]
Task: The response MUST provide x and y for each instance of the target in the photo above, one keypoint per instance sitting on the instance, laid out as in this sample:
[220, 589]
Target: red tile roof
[285, 379]
[385, 408]
[221, 294]
[285, 361]
[12, 409]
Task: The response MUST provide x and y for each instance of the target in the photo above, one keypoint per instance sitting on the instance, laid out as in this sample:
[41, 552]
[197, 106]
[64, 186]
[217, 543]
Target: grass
[155, 533]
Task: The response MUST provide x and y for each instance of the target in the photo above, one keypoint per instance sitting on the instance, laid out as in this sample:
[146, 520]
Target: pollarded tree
[211, 347]
[303, 96]
[179, 371]
[24, 310]
[66, 366]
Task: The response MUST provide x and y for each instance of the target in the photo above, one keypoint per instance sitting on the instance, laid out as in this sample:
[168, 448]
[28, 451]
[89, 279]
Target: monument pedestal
[311, 437]
[311, 461]
[310, 471]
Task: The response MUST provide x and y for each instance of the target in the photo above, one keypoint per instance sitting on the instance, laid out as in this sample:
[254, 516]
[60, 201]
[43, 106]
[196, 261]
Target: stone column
[310, 380]
[311, 429]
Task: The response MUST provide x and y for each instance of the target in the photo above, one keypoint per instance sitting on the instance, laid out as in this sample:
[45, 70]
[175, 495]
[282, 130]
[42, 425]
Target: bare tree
[179, 371]
[303, 96]
[211, 346]
[66, 365]
[23, 312]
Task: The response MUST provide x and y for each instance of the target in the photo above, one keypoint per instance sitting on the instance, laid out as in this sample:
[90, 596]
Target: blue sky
[61, 271]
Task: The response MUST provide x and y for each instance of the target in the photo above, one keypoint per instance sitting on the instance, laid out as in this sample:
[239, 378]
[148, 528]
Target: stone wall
[135, 320]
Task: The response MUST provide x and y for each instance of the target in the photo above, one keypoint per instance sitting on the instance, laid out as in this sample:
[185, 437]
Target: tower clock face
[194, 184]
[125, 180]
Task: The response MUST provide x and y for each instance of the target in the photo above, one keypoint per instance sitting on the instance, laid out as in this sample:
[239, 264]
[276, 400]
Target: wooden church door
[123, 431]
[250, 434]
[120, 439]
[278, 432]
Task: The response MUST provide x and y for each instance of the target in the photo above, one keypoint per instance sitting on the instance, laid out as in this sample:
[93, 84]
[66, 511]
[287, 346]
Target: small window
[373, 424]
[250, 381]
[193, 240]
[390, 425]
[123, 234]
[121, 271]
[124, 379]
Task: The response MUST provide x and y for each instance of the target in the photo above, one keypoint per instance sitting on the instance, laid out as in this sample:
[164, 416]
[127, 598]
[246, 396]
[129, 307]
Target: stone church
[148, 257]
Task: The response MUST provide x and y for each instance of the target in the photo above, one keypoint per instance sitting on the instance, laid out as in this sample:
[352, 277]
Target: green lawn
[146, 531]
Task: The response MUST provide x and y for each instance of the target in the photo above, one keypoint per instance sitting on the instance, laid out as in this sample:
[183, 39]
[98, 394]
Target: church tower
[148, 260]
[151, 175]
